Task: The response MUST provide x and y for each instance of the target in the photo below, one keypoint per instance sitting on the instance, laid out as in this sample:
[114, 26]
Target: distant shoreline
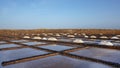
[87, 31]
[65, 29]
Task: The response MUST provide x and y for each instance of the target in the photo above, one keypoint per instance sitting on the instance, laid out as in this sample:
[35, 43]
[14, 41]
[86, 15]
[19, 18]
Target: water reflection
[116, 44]
[99, 53]
[1, 42]
[65, 40]
[58, 62]
[19, 41]
[8, 45]
[19, 53]
[33, 43]
[56, 47]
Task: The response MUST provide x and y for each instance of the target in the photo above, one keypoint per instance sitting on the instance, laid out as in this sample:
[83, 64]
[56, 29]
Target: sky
[59, 14]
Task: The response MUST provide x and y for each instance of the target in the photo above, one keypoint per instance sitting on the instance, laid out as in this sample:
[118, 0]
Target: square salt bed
[1, 42]
[8, 45]
[19, 53]
[116, 44]
[89, 42]
[100, 53]
[33, 43]
[66, 40]
[56, 47]
[19, 41]
[57, 62]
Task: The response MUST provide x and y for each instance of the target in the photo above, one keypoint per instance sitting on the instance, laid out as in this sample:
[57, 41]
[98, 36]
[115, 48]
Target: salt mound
[78, 41]
[44, 38]
[26, 37]
[106, 43]
[58, 35]
[93, 36]
[44, 34]
[71, 36]
[104, 37]
[52, 39]
[36, 37]
[86, 36]
[114, 37]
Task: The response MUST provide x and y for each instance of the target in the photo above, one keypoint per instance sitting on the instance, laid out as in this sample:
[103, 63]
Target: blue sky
[35, 14]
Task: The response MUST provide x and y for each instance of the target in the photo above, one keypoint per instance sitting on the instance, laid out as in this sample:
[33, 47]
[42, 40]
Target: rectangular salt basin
[57, 62]
[56, 47]
[19, 41]
[90, 42]
[19, 53]
[1, 42]
[33, 43]
[116, 44]
[100, 53]
[66, 40]
[8, 45]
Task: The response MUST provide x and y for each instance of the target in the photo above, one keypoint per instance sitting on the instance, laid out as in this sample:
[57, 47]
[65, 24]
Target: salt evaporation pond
[56, 47]
[8, 55]
[116, 44]
[1, 42]
[100, 53]
[65, 40]
[57, 62]
[33, 43]
[19, 41]
[9, 45]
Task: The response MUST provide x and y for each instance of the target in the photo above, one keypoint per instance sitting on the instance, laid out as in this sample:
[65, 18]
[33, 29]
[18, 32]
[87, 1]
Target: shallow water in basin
[56, 47]
[33, 43]
[65, 40]
[100, 53]
[19, 53]
[8, 45]
[19, 41]
[2, 42]
[57, 62]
